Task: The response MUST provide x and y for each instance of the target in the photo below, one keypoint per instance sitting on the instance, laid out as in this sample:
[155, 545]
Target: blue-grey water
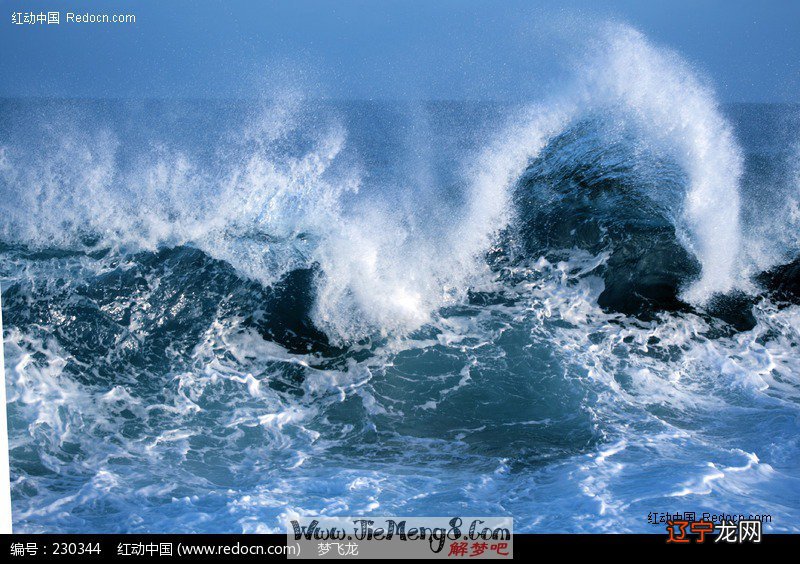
[219, 314]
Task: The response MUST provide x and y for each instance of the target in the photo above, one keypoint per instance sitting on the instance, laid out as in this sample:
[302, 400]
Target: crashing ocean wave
[574, 306]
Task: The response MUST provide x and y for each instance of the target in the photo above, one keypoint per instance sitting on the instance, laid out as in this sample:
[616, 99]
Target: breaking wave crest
[280, 195]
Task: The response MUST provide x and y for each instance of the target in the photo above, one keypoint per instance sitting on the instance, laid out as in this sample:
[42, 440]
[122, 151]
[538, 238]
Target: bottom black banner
[153, 548]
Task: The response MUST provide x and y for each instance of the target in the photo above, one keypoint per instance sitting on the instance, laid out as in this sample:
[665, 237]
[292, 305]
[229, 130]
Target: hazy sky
[380, 49]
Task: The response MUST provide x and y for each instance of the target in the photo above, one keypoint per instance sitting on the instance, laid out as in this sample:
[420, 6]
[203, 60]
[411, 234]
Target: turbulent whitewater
[577, 312]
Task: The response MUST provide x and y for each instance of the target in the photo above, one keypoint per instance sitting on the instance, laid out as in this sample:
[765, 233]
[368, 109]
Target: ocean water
[576, 311]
